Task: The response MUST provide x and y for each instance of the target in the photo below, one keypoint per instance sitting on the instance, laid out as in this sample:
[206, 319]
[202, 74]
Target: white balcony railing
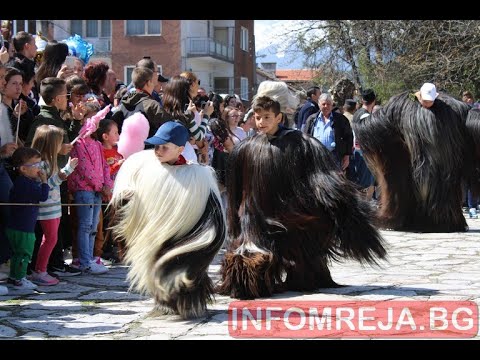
[199, 46]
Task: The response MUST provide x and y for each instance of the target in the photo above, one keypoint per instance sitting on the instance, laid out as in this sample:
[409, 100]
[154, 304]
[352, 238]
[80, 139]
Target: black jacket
[144, 103]
[342, 131]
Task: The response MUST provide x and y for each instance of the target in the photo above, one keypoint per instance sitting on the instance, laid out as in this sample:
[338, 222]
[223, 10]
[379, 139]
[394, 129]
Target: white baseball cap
[428, 92]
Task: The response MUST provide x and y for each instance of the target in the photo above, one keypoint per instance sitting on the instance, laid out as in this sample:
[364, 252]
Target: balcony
[207, 47]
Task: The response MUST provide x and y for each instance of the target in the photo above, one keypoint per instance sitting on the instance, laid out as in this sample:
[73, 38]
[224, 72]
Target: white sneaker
[95, 269]
[23, 284]
[3, 290]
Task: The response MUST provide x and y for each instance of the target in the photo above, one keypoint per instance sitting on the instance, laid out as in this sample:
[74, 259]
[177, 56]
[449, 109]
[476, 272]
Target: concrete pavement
[420, 267]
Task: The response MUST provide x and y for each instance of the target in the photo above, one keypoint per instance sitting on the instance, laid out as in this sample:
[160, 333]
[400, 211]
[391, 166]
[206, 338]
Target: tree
[394, 55]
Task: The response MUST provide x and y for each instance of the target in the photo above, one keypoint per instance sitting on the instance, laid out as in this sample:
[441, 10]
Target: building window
[128, 73]
[143, 27]
[90, 28]
[244, 38]
[244, 88]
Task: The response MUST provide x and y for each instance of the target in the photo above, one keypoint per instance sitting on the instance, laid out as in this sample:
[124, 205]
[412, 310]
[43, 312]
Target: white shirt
[189, 153]
[6, 135]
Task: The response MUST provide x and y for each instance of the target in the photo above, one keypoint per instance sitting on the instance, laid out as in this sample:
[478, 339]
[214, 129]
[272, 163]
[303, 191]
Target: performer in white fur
[171, 221]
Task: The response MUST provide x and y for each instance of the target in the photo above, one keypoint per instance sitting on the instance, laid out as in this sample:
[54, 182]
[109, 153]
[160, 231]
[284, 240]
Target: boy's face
[61, 100]
[266, 121]
[112, 136]
[168, 153]
[32, 168]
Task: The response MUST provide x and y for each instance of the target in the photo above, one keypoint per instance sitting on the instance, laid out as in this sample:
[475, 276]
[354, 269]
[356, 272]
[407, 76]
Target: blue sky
[270, 44]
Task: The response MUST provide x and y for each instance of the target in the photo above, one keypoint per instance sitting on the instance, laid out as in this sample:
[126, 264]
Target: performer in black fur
[290, 211]
[473, 127]
[420, 156]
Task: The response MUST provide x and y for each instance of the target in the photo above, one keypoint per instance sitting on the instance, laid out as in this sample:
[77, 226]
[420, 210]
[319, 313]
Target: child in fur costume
[171, 221]
[297, 212]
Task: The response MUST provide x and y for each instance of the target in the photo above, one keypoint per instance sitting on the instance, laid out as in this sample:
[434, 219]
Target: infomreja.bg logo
[344, 319]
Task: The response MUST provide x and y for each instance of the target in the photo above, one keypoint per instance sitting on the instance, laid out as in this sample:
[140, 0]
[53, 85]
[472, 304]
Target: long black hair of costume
[290, 211]
[420, 157]
[473, 128]
[190, 301]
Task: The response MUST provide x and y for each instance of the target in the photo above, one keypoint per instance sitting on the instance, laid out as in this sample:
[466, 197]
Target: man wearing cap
[169, 141]
[349, 109]
[158, 90]
[140, 100]
[427, 95]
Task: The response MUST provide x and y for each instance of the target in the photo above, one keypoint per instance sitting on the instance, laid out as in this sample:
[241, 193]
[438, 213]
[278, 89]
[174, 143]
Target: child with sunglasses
[21, 226]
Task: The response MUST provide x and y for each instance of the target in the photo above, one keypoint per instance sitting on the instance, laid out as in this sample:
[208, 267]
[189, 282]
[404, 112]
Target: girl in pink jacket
[88, 183]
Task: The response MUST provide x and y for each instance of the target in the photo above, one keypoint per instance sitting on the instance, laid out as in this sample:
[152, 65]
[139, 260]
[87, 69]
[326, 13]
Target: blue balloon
[79, 48]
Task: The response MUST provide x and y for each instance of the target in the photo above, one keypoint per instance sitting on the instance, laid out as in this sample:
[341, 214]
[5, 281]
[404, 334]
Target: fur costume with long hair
[290, 211]
[473, 127]
[419, 157]
[171, 220]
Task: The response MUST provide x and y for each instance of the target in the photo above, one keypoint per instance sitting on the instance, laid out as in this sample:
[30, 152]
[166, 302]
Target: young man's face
[266, 121]
[168, 153]
[30, 49]
[13, 88]
[61, 100]
[32, 168]
[427, 104]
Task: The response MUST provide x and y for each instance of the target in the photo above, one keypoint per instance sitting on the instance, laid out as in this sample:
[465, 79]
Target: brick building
[220, 52]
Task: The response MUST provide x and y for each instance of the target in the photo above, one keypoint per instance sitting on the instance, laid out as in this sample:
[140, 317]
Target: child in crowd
[268, 116]
[90, 182]
[21, 226]
[107, 134]
[48, 140]
[169, 141]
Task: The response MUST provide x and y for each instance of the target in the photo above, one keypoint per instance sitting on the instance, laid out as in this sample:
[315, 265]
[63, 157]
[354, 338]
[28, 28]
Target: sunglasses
[38, 165]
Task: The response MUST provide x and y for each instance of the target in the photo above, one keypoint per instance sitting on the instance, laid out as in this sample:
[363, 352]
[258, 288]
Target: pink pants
[49, 239]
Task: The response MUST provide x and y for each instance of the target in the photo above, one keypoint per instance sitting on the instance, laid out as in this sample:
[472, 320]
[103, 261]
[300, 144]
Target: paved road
[420, 267]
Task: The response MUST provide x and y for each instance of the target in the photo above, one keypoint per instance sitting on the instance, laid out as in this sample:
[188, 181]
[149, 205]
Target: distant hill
[288, 61]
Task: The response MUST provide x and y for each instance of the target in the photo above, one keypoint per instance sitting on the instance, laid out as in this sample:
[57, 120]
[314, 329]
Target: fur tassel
[170, 239]
[290, 211]
[420, 158]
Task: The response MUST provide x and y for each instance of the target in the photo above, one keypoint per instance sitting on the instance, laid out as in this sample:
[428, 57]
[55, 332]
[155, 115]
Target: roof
[296, 74]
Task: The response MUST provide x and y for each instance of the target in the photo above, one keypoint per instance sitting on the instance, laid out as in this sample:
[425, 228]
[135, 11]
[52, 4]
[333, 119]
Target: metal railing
[200, 46]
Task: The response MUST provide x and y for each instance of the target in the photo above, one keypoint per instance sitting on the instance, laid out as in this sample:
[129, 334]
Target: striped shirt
[51, 209]
[197, 127]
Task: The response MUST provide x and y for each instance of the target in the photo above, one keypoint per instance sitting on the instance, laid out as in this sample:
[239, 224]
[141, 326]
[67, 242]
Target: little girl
[88, 184]
[107, 134]
[48, 140]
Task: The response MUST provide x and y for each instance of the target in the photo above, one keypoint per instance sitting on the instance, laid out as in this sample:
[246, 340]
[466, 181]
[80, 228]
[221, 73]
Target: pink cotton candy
[134, 132]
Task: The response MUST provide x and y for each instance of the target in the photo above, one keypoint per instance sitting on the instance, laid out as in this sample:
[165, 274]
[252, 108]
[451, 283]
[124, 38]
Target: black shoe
[64, 271]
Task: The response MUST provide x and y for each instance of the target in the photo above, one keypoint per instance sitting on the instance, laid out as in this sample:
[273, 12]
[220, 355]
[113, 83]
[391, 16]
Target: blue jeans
[88, 217]
[472, 202]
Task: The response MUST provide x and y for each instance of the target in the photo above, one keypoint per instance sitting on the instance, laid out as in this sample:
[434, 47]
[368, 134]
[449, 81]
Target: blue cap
[172, 132]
